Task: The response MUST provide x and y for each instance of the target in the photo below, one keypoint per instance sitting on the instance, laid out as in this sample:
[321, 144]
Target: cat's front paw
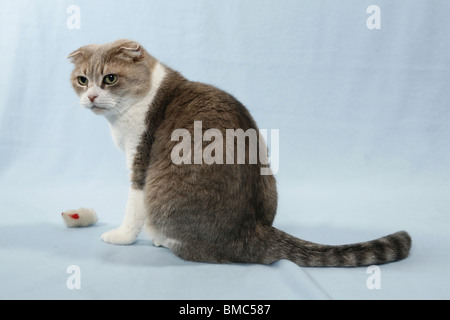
[119, 236]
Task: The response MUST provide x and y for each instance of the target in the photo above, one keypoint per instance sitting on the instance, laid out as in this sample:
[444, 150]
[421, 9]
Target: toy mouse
[79, 218]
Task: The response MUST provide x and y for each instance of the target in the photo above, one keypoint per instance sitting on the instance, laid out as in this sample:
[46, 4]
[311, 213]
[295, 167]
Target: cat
[215, 213]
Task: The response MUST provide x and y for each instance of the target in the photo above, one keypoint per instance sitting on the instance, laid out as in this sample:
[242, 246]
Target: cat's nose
[92, 97]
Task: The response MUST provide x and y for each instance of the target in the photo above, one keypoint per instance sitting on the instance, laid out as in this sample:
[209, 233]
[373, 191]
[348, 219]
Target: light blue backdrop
[363, 117]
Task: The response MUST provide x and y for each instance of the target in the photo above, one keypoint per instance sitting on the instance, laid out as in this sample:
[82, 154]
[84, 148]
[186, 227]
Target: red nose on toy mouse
[79, 218]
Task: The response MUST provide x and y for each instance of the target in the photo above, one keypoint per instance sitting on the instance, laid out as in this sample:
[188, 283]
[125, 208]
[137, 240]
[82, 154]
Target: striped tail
[281, 245]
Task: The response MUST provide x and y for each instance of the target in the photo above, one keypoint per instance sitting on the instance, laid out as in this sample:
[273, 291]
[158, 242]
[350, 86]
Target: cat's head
[111, 77]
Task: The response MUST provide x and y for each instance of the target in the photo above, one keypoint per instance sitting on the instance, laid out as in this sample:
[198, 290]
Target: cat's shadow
[77, 244]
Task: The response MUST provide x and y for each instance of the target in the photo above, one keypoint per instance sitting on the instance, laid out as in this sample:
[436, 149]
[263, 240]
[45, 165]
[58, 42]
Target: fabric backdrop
[360, 96]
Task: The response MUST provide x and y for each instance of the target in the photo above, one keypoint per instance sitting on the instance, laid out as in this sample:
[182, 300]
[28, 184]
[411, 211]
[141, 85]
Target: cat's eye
[110, 79]
[82, 80]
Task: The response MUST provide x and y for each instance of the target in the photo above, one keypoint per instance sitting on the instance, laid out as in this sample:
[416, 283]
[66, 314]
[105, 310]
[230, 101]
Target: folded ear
[82, 53]
[73, 56]
[130, 50]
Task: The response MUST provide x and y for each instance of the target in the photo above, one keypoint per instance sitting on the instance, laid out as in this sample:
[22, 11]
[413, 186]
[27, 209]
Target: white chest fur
[128, 127]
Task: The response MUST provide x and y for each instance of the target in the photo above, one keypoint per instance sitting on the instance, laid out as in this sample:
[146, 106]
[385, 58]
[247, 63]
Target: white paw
[157, 243]
[164, 242]
[119, 236]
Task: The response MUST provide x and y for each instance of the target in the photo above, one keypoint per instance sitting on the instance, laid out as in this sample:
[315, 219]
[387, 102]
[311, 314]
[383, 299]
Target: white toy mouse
[79, 218]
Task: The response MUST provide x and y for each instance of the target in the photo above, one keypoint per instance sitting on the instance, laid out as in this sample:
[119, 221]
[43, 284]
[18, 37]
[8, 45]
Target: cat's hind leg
[158, 238]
